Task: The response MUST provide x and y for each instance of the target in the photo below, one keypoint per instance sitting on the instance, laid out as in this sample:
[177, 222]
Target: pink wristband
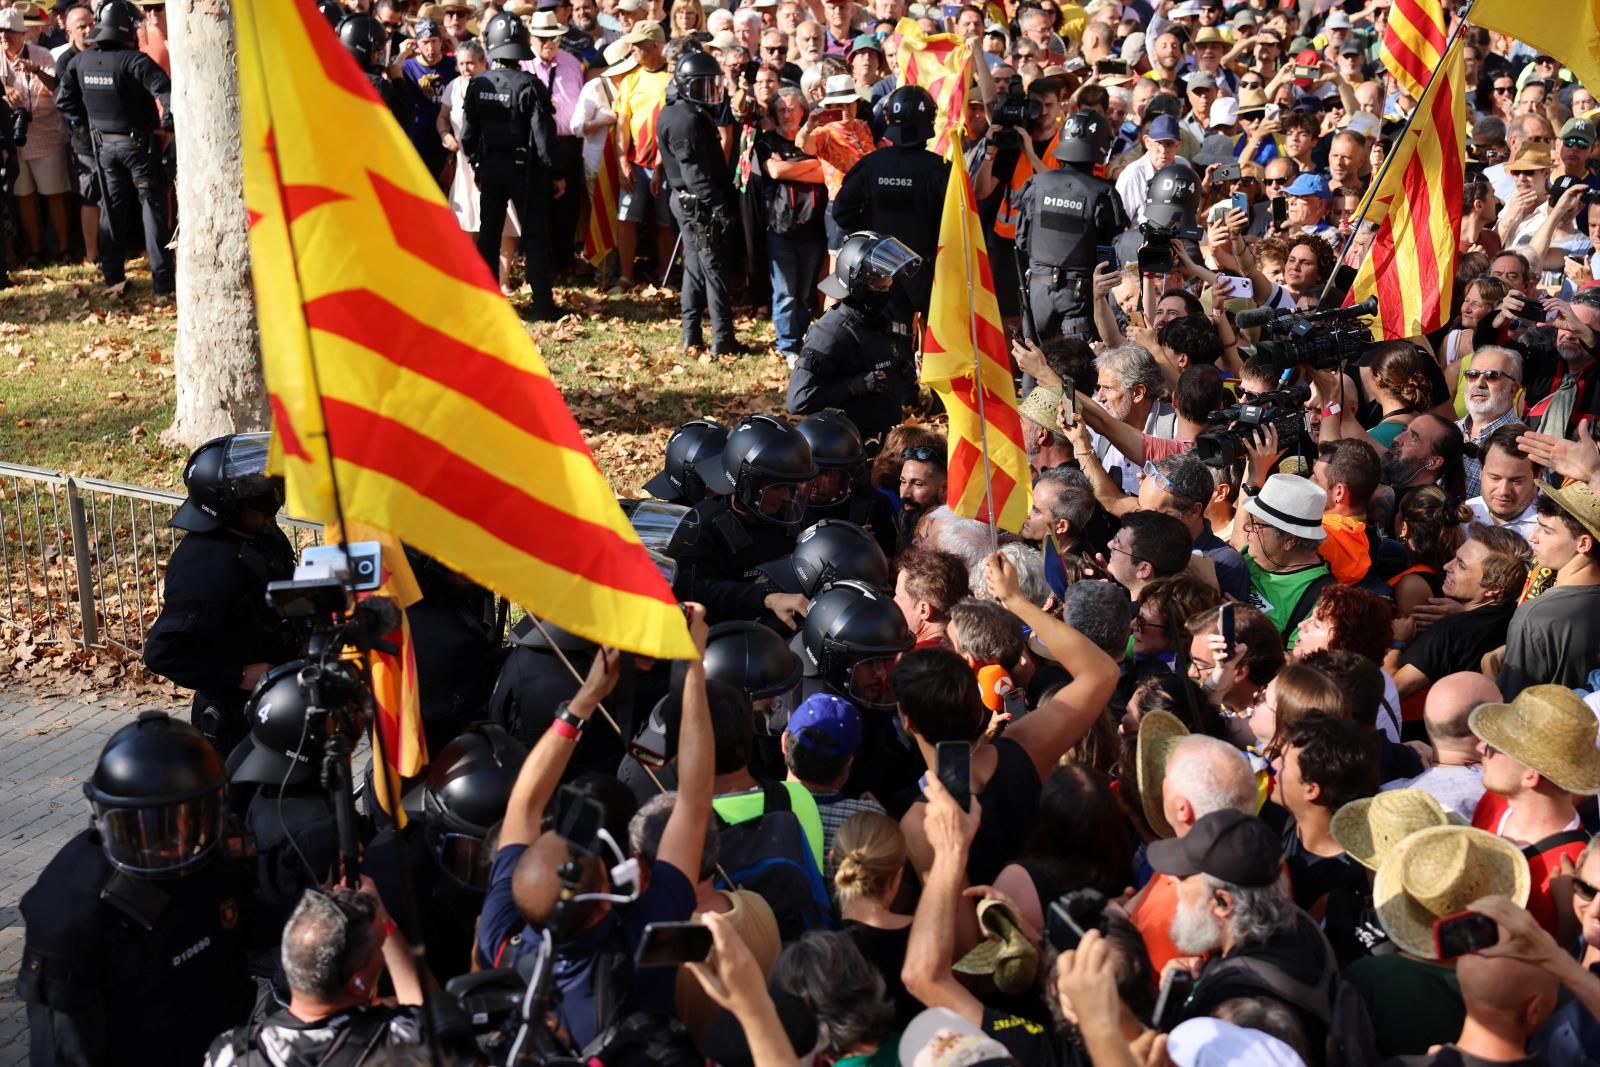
[565, 729]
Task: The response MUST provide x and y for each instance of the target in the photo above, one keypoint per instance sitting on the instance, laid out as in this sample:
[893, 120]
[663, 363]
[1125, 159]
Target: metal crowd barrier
[81, 559]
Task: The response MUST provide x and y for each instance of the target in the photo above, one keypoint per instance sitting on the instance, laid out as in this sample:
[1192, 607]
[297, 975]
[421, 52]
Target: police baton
[676, 248]
[1030, 330]
[106, 209]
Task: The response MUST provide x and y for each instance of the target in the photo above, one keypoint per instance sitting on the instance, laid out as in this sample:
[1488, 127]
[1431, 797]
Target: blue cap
[826, 724]
[1163, 128]
[1309, 185]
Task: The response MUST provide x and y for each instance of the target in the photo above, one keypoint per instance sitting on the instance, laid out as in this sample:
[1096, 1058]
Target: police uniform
[122, 970]
[899, 191]
[215, 621]
[697, 175]
[717, 563]
[297, 848]
[1063, 215]
[868, 509]
[112, 90]
[837, 367]
[447, 908]
[508, 131]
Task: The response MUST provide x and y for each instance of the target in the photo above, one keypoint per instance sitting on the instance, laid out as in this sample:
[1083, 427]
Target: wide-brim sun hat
[1437, 873]
[1159, 733]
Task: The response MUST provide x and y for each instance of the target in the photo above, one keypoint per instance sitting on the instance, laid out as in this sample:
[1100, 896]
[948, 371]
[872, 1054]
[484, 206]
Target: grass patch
[86, 380]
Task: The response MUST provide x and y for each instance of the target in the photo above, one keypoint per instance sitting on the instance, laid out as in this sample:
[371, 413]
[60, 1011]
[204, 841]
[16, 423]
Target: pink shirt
[47, 133]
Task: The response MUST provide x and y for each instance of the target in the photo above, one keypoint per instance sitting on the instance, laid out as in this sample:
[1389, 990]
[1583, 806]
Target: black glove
[874, 381]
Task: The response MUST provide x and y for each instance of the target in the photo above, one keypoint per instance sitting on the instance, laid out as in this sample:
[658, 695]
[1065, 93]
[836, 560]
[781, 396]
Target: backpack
[1349, 1040]
[364, 1035]
[770, 855]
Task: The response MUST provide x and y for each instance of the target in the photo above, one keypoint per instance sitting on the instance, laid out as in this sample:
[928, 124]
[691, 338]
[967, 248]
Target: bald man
[1455, 779]
[1203, 775]
[1507, 1002]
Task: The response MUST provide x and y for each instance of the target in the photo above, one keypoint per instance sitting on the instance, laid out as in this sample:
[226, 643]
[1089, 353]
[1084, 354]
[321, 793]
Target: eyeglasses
[1583, 890]
[1502, 90]
[1150, 470]
[921, 453]
[1490, 376]
[1142, 623]
[1114, 549]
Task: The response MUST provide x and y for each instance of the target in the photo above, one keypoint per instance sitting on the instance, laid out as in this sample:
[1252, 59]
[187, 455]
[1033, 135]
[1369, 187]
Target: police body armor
[114, 98]
[842, 346]
[717, 565]
[898, 191]
[503, 132]
[1065, 215]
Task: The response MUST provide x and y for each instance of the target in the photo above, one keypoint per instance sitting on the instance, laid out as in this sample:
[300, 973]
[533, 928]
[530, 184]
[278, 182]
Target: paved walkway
[48, 746]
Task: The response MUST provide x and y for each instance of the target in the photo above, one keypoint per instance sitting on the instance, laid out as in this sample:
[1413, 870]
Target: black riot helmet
[751, 657]
[332, 12]
[831, 551]
[691, 443]
[507, 37]
[285, 746]
[469, 782]
[527, 635]
[1085, 139]
[698, 79]
[118, 24]
[156, 797]
[1174, 193]
[909, 114]
[365, 38]
[852, 637]
[223, 476]
[765, 466]
[840, 453]
[867, 265]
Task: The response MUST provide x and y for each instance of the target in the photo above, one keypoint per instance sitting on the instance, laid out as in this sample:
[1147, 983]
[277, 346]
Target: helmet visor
[244, 467]
[463, 857]
[782, 502]
[828, 488]
[887, 259]
[869, 682]
[657, 522]
[157, 841]
[706, 90]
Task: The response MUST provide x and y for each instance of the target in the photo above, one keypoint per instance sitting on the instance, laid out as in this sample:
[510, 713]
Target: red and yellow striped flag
[940, 65]
[964, 306]
[1566, 29]
[601, 237]
[1414, 43]
[388, 346]
[1413, 217]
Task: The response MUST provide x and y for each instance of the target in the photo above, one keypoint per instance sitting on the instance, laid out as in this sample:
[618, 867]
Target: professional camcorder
[1323, 339]
[1282, 409]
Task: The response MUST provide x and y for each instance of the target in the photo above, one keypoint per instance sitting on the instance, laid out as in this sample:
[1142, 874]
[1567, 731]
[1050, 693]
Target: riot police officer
[447, 856]
[1064, 216]
[366, 39]
[760, 481]
[694, 442]
[859, 356]
[696, 174]
[899, 191]
[455, 636]
[831, 551]
[135, 949]
[508, 131]
[840, 489]
[852, 638]
[112, 90]
[216, 634]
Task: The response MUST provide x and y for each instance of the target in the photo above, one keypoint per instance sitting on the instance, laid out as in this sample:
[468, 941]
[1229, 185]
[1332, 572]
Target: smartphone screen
[1106, 254]
[669, 944]
[830, 114]
[1457, 935]
[953, 765]
[1280, 211]
[1110, 66]
[1225, 627]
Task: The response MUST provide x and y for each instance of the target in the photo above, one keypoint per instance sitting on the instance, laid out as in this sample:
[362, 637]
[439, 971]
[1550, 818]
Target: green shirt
[742, 807]
[1414, 1005]
[887, 1054]
[1276, 595]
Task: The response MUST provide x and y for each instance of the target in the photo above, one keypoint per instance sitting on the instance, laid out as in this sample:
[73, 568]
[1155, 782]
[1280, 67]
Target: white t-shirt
[1523, 525]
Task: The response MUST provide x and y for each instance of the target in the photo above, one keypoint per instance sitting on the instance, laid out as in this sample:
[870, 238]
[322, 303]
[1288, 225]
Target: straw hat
[545, 24]
[1548, 728]
[1006, 952]
[1159, 733]
[1041, 405]
[1368, 828]
[1437, 873]
[1579, 501]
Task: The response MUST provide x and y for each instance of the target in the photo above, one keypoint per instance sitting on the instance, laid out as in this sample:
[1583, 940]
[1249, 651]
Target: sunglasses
[1490, 376]
[772, 48]
[1502, 90]
[1583, 890]
[1277, 181]
[1576, 142]
[922, 453]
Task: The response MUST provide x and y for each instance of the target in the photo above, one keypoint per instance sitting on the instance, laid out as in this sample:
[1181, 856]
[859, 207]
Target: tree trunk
[218, 356]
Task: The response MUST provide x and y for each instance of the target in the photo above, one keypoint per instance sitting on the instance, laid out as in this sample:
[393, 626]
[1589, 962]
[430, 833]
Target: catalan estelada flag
[601, 237]
[1413, 217]
[938, 64]
[1569, 30]
[1413, 43]
[395, 370]
[964, 314]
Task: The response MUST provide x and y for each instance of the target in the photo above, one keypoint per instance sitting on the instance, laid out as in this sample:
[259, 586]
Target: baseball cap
[11, 19]
[1209, 1042]
[938, 1037]
[1230, 846]
[1189, 9]
[1308, 184]
[1338, 20]
[632, 7]
[1224, 112]
[1579, 129]
[426, 28]
[1351, 47]
[1163, 128]
[644, 30]
[826, 724]
[1200, 79]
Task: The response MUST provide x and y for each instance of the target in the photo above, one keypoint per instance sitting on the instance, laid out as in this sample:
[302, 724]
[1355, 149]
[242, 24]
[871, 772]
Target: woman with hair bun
[869, 861]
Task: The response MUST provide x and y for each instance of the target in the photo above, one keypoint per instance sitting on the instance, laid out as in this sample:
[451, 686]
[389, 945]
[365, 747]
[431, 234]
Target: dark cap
[426, 28]
[1231, 847]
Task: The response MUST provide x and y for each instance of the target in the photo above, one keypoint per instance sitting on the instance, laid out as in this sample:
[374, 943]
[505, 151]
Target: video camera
[1323, 339]
[1155, 254]
[1014, 115]
[1281, 408]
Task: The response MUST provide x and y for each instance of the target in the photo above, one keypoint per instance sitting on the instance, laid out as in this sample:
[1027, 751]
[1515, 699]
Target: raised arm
[930, 952]
[684, 838]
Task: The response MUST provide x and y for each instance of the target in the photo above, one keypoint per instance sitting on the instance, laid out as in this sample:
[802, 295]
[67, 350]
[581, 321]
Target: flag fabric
[601, 238]
[1414, 43]
[1569, 30]
[964, 306]
[1413, 217]
[397, 718]
[1055, 567]
[938, 63]
[394, 365]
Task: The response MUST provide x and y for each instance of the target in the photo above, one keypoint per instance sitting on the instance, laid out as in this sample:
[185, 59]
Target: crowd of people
[1270, 738]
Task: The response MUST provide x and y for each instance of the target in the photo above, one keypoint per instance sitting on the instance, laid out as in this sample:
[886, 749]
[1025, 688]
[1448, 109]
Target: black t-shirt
[1314, 877]
[886, 951]
[1450, 1056]
[1458, 642]
[1033, 1043]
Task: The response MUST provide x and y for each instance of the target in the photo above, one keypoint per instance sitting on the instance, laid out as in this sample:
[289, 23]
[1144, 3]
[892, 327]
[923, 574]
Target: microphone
[1252, 317]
